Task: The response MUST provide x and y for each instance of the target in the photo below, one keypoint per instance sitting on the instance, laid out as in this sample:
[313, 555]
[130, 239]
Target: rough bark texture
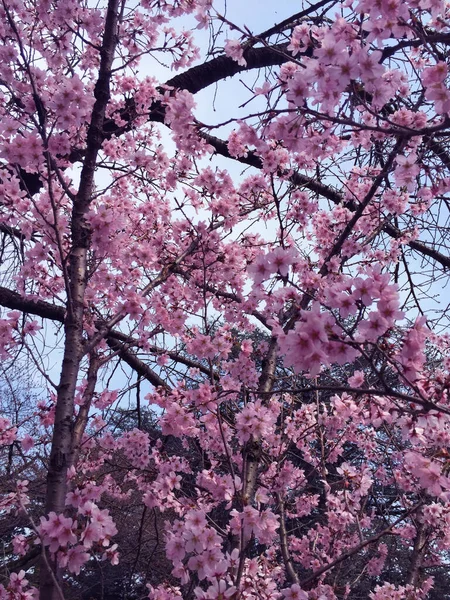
[418, 555]
[73, 326]
[83, 413]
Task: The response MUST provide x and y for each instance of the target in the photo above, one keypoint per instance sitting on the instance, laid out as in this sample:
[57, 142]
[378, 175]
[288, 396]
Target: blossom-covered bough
[284, 316]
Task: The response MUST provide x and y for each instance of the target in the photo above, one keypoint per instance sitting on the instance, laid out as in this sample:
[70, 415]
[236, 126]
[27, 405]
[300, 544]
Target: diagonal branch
[293, 20]
[116, 340]
[359, 547]
[202, 76]
[328, 192]
[136, 364]
[337, 247]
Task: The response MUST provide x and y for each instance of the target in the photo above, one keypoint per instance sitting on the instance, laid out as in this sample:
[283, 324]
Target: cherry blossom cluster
[73, 540]
[18, 588]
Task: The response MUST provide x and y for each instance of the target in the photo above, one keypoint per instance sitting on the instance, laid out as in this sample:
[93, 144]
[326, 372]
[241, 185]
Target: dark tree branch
[136, 364]
[293, 20]
[115, 340]
[30, 305]
[327, 192]
[349, 553]
[202, 76]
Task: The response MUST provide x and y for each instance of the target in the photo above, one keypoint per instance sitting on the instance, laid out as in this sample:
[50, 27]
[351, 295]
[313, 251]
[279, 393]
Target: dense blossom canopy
[232, 316]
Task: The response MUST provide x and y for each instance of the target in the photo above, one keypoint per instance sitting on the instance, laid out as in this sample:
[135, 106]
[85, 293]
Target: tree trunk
[62, 441]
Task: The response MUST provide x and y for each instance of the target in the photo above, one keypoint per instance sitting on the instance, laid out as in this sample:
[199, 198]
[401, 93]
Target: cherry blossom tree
[266, 278]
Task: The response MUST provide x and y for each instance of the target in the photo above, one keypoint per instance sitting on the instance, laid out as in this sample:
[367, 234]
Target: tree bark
[418, 555]
[73, 325]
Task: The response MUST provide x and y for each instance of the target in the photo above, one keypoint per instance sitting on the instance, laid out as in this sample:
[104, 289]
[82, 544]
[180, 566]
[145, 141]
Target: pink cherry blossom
[214, 354]
[234, 50]
[295, 593]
